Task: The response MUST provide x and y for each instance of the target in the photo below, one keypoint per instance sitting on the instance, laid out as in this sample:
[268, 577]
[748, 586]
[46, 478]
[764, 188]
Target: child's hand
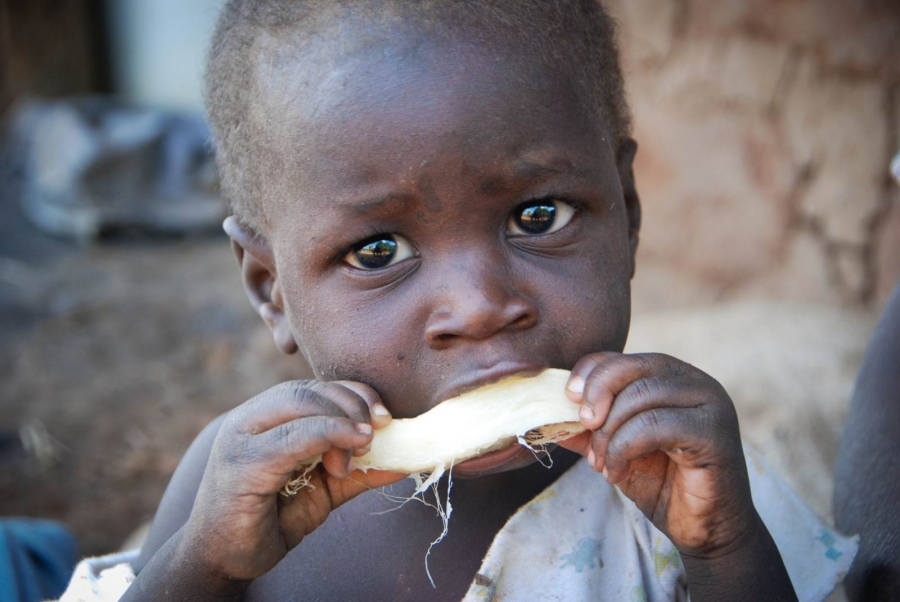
[240, 527]
[667, 435]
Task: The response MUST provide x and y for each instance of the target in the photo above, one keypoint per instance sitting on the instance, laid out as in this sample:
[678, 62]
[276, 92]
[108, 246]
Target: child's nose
[476, 302]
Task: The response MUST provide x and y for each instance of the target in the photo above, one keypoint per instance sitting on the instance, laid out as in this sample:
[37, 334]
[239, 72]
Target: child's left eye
[539, 217]
[380, 252]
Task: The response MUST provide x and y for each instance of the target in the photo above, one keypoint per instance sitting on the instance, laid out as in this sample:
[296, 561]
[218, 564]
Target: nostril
[523, 321]
[441, 340]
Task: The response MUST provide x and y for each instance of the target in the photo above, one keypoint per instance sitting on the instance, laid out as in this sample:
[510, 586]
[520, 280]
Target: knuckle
[645, 388]
[237, 451]
[307, 430]
[649, 361]
[665, 364]
[595, 379]
[237, 420]
[286, 432]
[359, 399]
[588, 364]
[615, 448]
[294, 437]
[345, 399]
[364, 391]
[307, 394]
[651, 421]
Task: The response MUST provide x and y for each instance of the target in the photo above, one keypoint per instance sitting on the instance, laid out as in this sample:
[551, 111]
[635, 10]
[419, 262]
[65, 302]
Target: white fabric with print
[581, 539]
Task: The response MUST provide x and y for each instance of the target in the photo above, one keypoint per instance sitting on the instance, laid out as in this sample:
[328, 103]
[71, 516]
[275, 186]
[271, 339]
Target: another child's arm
[667, 435]
[239, 526]
[867, 480]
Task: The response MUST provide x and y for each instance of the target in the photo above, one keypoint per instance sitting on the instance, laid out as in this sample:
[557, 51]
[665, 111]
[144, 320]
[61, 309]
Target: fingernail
[586, 412]
[363, 429]
[576, 385]
[381, 411]
[591, 458]
[605, 473]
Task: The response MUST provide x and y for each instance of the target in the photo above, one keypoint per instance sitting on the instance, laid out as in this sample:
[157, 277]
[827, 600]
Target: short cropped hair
[579, 34]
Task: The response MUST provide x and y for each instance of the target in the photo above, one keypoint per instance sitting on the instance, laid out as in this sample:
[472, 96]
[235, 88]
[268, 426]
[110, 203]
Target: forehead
[354, 107]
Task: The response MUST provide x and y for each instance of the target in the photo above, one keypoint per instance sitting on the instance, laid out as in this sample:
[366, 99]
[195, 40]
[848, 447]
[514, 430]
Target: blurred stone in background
[92, 165]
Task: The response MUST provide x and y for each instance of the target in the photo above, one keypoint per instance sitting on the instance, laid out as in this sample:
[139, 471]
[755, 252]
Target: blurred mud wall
[51, 48]
[765, 131]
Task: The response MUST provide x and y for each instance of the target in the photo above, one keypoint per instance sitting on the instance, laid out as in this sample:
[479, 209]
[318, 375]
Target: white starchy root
[534, 409]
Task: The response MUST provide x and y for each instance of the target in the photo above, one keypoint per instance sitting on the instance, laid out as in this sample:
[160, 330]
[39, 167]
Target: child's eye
[539, 217]
[380, 251]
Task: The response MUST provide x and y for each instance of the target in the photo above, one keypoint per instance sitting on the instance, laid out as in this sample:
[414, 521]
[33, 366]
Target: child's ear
[257, 263]
[625, 163]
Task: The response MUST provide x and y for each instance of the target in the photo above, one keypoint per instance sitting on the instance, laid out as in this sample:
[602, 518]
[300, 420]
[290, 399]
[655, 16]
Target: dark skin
[867, 479]
[450, 169]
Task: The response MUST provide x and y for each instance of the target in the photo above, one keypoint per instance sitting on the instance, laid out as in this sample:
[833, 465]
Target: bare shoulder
[178, 500]
[867, 475]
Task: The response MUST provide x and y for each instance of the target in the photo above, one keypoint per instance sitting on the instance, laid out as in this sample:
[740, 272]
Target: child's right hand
[240, 527]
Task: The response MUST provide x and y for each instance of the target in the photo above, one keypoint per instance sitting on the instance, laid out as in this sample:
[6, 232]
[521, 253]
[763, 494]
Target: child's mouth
[491, 374]
[489, 461]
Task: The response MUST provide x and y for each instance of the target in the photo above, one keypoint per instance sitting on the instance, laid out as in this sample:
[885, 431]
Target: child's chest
[372, 550]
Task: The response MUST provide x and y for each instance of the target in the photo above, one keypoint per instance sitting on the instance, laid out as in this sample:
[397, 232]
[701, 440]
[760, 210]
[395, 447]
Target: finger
[297, 399]
[284, 448]
[379, 413]
[686, 435]
[337, 462]
[581, 370]
[605, 381]
[646, 394]
[349, 400]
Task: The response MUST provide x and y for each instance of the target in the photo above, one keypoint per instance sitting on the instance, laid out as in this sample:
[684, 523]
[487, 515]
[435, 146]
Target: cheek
[346, 336]
[589, 319]
[586, 303]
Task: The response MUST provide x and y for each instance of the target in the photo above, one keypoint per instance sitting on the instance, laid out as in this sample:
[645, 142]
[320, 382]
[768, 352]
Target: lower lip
[489, 460]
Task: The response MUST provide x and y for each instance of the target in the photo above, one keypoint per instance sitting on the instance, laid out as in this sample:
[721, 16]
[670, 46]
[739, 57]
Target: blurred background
[770, 242]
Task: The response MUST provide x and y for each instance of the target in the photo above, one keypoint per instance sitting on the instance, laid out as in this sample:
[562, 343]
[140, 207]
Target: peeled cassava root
[531, 410]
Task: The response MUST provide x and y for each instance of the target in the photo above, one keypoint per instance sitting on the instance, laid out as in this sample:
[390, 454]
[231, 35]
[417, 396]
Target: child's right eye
[543, 216]
[380, 251]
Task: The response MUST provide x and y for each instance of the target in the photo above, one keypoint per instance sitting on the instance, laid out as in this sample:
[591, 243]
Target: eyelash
[340, 257]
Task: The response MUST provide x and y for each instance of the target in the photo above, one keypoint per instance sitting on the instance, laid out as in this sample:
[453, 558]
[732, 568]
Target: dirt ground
[112, 359]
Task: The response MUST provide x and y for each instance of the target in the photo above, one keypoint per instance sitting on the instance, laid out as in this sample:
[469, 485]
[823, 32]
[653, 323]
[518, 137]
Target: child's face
[441, 217]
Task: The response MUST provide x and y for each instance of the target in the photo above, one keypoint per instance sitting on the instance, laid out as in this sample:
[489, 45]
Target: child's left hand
[667, 435]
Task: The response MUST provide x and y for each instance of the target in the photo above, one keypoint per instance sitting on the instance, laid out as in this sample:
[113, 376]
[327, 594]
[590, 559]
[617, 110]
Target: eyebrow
[367, 206]
[529, 172]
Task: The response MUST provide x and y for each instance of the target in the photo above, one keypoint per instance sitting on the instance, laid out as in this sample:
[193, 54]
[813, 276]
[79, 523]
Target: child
[428, 197]
[867, 480]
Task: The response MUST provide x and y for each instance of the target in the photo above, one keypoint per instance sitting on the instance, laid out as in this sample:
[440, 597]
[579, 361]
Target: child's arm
[239, 526]
[867, 480]
[667, 435]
